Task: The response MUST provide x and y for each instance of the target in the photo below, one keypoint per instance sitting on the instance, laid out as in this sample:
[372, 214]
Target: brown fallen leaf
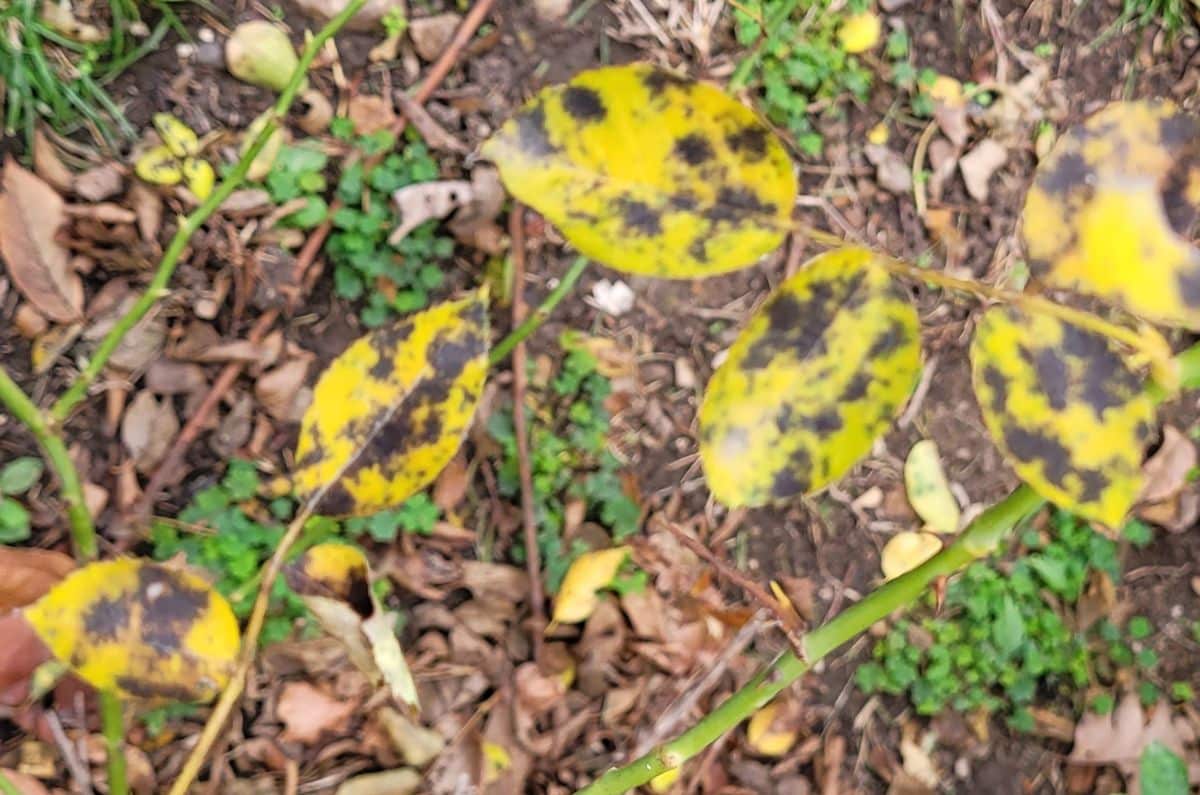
[475, 223]
[147, 430]
[26, 574]
[1118, 739]
[47, 347]
[431, 35]
[48, 165]
[140, 346]
[282, 392]
[29, 322]
[31, 213]
[978, 165]
[367, 18]
[100, 183]
[426, 201]
[26, 785]
[404, 781]
[891, 172]
[167, 377]
[20, 655]
[308, 713]
[417, 745]
[371, 114]
[431, 132]
[451, 486]
[147, 206]
[1166, 472]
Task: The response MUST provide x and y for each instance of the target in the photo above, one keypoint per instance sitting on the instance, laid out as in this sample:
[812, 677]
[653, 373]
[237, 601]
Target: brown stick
[229, 375]
[533, 559]
[788, 620]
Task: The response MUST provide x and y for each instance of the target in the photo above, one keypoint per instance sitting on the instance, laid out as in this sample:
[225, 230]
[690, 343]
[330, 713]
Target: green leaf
[1066, 410]
[1140, 628]
[1009, 630]
[1162, 772]
[19, 475]
[14, 521]
[816, 376]
[707, 189]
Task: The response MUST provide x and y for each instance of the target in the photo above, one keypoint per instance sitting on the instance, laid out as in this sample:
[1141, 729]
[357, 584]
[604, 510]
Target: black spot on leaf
[640, 218]
[658, 80]
[856, 389]
[827, 422]
[693, 149]
[736, 205]
[1070, 172]
[795, 476]
[1093, 484]
[148, 689]
[106, 619]
[1178, 130]
[583, 104]
[169, 608]
[532, 136]
[998, 385]
[1052, 377]
[1189, 285]
[1029, 447]
[1181, 213]
[750, 142]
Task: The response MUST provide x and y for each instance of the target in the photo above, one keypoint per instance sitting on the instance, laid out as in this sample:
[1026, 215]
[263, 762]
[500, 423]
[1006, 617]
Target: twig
[83, 532]
[112, 724]
[78, 770]
[449, 56]
[543, 311]
[788, 620]
[533, 558]
[978, 540]
[692, 691]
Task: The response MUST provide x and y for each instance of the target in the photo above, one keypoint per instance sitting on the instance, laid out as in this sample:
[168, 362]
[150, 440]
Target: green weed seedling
[364, 262]
[17, 477]
[569, 457]
[800, 61]
[999, 644]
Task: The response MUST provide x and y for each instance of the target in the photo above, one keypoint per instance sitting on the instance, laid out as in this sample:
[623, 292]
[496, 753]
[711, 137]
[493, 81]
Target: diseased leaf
[818, 373]
[159, 166]
[335, 582]
[1111, 208]
[30, 216]
[928, 490]
[588, 573]
[649, 172]
[766, 736]
[905, 551]
[391, 411]
[1066, 410]
[179, 138]
[140, 629]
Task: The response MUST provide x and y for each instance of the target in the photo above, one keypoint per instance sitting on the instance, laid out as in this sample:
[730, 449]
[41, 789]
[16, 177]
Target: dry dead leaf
[918, 763]
[140, 346]
[26, 574]
[417, 745]
[1166, 472]
[282, 392]
[928, 490]
[451, 485]
[308, 713]
[1119, 738]
[431, 35]
[404, 781]
[431, 132]
[891, 172]
[772, 731]
[31, 213]
[48, 165]
[367, 18]
[475, 224]
[47, 347]
[905, 551]
[147, 430]
[167, 377]
[148, 207]
[978, 165]
[318, 113]
[100, 183]
[371, 114]
[29, 322]
[495, 581]
[426, 201]
[26, 785]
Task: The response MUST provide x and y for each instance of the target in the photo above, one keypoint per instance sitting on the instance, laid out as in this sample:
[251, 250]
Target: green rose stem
[539, 315]
[979, 540]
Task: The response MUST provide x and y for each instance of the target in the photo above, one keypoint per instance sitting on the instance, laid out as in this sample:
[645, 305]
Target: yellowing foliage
[818, 373]
[905, 551]
[1065, 409]
[140, 629]
[180, 139]
[588, 573]
[391, 411]
[765, 737]
[334, 580]
[649, 172]
[1111, 207]
[928, 490]
[159, 166]
[860, 32]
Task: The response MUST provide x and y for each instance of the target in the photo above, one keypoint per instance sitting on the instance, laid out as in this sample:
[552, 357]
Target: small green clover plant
[570, 459]
[17, 477]
[388, 279]
[998, 645]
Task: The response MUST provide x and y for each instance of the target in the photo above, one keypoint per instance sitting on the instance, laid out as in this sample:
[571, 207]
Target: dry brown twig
[516, 232]
[789, 621]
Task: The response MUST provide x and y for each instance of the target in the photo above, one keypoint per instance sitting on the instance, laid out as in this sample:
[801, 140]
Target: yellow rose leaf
[928, 490]
[814, 378]
[1066, 410]
[159, 166]
[860, 32]
[905, 551]
[1111, 208]
[649, 172]
[180, 139]
[765, 737]
[391, 411]
[334, 580]
[140, 629]
[587, 574]
[199, 176]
